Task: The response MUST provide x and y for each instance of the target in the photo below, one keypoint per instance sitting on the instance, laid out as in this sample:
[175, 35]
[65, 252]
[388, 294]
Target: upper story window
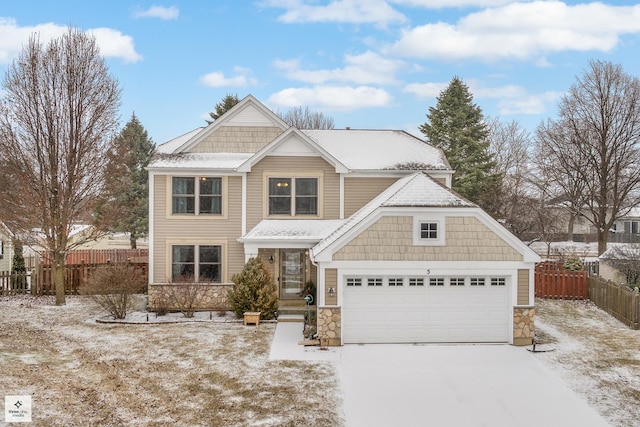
[197, 195]
[429, 230]
[293, 196]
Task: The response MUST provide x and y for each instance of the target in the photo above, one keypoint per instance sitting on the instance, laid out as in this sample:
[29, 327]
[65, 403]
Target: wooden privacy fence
[102, 256]
[552, 281]
[620, 301]
[14, 283]
[75, 277]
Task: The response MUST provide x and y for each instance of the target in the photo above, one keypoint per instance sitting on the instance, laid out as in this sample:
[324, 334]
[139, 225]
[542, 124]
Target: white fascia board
[254, 246]
[195, 171]
[151, 225]
[435, 267]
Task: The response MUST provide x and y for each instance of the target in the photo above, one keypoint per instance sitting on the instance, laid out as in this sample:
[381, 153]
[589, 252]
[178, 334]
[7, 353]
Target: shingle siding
[237, 139]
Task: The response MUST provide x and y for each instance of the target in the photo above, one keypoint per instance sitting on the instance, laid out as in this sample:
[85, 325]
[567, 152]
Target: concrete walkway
[285, 345]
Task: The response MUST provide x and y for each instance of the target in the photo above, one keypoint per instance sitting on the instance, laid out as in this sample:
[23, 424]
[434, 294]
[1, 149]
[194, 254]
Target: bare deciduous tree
[303, 118]
[597, 138]
[509, 144]
[56, 121]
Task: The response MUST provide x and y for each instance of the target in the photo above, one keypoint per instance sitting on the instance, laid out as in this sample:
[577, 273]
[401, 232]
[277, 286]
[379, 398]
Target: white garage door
[380, 309]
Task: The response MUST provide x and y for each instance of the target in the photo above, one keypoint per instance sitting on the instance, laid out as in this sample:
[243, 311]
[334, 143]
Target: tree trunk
[58, 277]
[602, 241]
[572, 220]
[132, 241]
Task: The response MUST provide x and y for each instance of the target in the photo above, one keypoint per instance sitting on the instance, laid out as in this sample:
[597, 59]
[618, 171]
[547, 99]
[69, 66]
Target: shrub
[253, 290]
[186, 296]
[573, 263]
[112, 285]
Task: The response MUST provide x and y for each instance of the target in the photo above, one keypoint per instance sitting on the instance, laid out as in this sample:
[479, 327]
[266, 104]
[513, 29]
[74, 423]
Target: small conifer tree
[573, 263]
[253, 290]
[18, 268]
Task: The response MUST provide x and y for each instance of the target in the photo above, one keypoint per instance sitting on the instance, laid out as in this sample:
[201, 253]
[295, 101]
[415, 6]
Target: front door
[292, 273]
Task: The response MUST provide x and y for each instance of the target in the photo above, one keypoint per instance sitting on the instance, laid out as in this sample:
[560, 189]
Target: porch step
[295, 310]
[291, 318]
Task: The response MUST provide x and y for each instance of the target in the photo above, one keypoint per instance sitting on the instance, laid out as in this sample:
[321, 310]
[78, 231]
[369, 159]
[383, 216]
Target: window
[196, 263]
[197, 195]
[354, 281]
[456, 281]
[396, 281]
[477, 281]
[374, 281]
[416, 281]
[303, 190]
[429, 230]
[498, 281]
[436, 281]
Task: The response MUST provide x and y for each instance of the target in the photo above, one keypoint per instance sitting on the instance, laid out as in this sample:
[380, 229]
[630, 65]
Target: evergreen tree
[125, 209]
[223, 106]
[18, 269]
[253, 290]
[456, 125]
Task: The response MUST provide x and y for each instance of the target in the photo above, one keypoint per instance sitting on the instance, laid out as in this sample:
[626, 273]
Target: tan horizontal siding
[523, 287]
[360, 191]
[213, 229]
[237, 139]
[331, 281]
[391, 238]
[289, 166]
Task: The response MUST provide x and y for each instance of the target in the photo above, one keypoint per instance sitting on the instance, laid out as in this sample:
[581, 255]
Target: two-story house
[367, 215]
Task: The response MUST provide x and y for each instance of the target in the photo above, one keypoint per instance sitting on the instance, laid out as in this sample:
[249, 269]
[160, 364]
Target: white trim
[341, 196]
[151, 238]
[243, 201]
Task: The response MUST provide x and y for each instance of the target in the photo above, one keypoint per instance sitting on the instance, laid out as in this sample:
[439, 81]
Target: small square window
[477, 281]
[456, 281]
[498, 281]
[374, 281]
[396, 281]
[436, 281]
[429, 230]
[354, 281]
[416, 281]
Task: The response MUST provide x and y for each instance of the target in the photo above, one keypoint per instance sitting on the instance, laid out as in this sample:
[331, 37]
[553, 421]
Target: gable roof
[307, 230]
[172, 145]
[249, 111]
[378, 149]
[416, 190]
[300, 139]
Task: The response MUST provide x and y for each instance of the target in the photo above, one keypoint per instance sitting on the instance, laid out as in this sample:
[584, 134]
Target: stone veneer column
[329, 326]
[523, 325]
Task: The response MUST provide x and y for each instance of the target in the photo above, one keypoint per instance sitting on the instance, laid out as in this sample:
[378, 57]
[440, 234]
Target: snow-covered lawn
[83, 373]
[596, 356]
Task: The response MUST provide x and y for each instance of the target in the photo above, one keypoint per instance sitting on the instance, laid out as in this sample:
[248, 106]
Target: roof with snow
[218, 161]
[312, 230]
[172, 145]
[416, 190]
[378, 149]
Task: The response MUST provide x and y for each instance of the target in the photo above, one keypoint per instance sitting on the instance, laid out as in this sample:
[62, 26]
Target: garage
[417, 309]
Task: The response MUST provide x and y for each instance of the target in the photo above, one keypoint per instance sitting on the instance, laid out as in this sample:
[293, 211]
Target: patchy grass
[596, 355]
[81, 373]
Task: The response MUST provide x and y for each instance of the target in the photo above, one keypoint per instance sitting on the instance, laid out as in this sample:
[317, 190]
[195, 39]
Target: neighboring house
[368, 215]
[6, 249]
[626, 229]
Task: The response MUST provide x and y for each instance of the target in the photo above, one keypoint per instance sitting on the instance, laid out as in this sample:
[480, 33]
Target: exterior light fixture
[332, 291]
[271, 259]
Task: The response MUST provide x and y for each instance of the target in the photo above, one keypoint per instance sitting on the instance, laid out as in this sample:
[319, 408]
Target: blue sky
[376, 64]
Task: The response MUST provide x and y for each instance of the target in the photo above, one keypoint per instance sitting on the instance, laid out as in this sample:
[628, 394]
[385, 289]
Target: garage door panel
[410, 314]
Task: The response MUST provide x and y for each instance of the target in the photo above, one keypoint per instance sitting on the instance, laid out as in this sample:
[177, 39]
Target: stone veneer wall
[523, 325]
[209, 296]
[329, 326]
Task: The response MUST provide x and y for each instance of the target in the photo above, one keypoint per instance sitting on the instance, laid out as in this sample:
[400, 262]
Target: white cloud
[512, 99]
[112, 43]
[441, 4]
[366, 68]
[218, 79]
[346, 11]
[164, 13]
[340, 98]
[522, 30]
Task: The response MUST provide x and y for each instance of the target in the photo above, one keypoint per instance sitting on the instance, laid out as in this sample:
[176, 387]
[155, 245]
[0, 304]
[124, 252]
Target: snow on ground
[215, 371]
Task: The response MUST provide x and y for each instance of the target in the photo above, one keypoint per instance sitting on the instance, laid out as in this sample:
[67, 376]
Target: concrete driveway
[455, 385]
